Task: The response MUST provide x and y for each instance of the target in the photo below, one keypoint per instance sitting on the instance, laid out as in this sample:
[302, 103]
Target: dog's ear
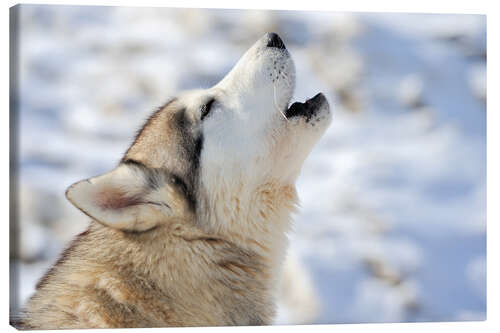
[130, 197]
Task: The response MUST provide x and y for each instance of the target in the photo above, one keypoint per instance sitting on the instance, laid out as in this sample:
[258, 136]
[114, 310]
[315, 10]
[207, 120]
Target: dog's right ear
[130, 197]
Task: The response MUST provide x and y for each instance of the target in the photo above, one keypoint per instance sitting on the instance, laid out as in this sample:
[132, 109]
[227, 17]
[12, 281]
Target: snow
[392, 225]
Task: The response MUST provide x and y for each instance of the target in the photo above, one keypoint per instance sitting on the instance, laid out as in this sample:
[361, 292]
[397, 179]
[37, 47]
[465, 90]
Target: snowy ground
[393, 219]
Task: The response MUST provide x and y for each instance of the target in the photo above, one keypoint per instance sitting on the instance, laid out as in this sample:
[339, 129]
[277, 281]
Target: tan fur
[176, 275]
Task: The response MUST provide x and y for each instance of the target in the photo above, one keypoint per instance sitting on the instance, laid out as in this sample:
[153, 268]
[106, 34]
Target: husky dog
[190, 228]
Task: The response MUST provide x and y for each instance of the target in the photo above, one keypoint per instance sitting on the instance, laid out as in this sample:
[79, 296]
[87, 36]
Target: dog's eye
[205, 109]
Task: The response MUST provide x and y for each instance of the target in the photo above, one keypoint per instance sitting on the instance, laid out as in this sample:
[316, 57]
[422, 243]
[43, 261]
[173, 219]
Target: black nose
[273, 40]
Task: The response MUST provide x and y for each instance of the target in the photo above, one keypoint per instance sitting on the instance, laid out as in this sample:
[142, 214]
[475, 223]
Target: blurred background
[393, 220]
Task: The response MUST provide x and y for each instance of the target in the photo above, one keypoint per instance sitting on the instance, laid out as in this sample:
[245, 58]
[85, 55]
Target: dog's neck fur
[257, 218]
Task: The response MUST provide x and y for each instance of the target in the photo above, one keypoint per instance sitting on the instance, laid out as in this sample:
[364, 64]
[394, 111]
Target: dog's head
[241, 132]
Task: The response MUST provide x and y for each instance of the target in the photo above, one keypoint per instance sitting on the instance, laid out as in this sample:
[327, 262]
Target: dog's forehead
[161, 137]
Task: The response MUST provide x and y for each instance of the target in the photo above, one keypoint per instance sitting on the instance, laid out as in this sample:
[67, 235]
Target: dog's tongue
[306, 109]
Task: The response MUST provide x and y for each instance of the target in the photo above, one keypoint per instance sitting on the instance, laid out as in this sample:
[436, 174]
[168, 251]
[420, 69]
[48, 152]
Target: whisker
[276, 103]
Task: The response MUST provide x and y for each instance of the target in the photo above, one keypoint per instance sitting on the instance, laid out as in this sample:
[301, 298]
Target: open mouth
[307, 109]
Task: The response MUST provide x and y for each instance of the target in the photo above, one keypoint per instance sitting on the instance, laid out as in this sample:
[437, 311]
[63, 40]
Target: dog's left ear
[130, 197]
